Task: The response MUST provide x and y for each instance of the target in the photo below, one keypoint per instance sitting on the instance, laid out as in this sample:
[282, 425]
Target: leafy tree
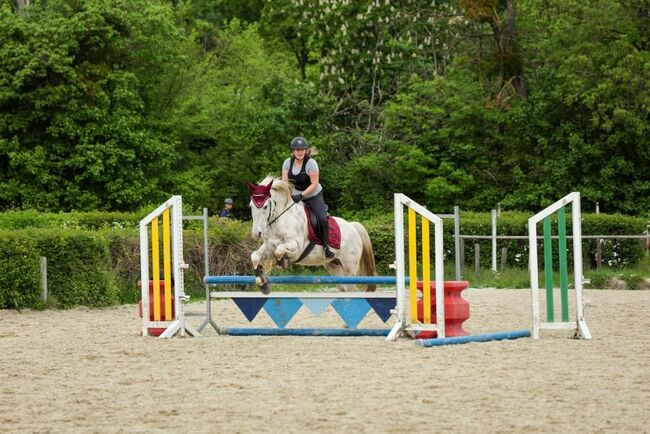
[79, 84]
[587, 125]
[238, 114]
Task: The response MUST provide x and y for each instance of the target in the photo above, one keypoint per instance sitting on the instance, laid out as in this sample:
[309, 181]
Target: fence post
[494, 240]
[457, 241]
[504, 257]
[477, 259]
[43, 267]
[462, 253]
[599, 248]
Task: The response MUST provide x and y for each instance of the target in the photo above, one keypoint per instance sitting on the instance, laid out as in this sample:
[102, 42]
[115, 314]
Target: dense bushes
[102, 267]
[78, 268]
[19, 271]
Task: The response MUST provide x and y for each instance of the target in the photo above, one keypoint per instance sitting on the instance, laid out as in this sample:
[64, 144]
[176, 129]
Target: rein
[280, 215]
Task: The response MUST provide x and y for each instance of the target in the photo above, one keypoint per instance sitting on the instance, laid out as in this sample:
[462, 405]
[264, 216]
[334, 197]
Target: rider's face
[299, 153]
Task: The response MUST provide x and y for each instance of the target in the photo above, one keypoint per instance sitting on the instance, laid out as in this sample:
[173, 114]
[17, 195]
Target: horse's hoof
[266, 288]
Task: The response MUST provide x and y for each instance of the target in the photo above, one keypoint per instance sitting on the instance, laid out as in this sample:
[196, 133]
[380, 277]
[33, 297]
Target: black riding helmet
[299, 143]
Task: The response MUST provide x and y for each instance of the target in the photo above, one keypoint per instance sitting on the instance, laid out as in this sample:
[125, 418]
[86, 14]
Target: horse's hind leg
[337, 268]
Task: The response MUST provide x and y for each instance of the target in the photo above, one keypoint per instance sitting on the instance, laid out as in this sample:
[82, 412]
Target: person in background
[227, 209]
[303, 172]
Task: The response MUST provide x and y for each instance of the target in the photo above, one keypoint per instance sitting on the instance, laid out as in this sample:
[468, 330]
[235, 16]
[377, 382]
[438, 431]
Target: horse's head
[268, 199]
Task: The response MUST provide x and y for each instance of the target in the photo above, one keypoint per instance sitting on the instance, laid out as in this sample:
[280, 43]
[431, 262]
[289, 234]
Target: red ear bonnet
[259, 193]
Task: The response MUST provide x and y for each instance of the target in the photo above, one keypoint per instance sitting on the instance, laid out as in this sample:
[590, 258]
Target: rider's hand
[296, 197]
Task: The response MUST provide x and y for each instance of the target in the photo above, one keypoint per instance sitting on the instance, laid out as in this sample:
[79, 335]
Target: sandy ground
[87, 370]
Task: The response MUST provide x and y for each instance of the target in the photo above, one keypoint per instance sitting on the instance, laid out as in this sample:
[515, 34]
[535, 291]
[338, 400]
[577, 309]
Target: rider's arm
[314, 178]
[285, 175]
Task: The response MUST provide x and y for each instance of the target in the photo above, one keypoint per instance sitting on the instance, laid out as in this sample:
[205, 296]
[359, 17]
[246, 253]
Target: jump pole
[498, 336]
[245, 331]
[304, 280]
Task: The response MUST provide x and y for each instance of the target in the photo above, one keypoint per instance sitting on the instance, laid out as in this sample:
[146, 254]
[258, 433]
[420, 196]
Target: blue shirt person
[227, 209]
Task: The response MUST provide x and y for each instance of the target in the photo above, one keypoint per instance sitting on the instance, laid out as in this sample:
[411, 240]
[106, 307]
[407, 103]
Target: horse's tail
[367, 265]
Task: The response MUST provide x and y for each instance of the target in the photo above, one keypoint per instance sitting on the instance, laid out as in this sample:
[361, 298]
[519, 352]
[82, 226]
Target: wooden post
[504, 257]
[494, 240]
[43, 266]
[477, 259]
[599, 248]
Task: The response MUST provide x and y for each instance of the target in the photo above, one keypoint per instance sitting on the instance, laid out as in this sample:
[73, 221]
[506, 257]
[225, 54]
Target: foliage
[82, 220]
[79, 83]
[110, 105]
[19, 271]
[77, 267]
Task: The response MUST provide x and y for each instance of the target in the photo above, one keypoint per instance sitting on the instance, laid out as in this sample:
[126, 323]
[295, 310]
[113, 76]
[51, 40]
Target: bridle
[260, 195]
[270, 222]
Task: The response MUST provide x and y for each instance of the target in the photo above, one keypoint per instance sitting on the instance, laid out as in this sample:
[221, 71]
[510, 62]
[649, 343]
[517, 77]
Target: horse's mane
[280, 187]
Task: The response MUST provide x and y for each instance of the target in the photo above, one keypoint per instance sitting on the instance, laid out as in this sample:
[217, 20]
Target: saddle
[334, 235]
[334, 240]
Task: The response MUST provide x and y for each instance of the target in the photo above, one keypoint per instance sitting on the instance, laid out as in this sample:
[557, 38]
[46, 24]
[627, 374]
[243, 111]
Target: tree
[79, 80]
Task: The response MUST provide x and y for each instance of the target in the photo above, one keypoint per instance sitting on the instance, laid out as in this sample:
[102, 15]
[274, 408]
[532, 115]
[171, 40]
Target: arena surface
[88, 370]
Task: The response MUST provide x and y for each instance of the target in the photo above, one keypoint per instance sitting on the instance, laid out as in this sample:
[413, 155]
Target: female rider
[303, 172]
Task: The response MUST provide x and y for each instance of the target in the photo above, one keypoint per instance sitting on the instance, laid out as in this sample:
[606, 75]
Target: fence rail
[523, 237]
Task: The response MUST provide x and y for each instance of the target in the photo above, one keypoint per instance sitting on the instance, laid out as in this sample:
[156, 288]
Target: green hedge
[79, 270]
[102, 267]
[72, 220]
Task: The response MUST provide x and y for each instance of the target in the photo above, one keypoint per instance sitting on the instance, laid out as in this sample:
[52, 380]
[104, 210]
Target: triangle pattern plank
[351, 310]
[382, 307]
[250, 307]
[281, 310]
[316, 305]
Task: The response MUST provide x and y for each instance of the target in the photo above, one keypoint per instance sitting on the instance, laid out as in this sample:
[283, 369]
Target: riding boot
[325, 235]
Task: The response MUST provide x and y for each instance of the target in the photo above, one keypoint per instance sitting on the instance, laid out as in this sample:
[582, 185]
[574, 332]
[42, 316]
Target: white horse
[281, 224]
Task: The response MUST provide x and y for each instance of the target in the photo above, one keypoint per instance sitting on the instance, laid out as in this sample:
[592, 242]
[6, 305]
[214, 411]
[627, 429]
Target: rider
[303, 172]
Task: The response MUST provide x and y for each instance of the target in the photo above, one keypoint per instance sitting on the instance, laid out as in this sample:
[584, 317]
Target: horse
[282, 226]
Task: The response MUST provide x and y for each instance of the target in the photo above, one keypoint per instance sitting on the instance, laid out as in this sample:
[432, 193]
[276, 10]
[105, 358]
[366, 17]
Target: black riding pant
[317, 206]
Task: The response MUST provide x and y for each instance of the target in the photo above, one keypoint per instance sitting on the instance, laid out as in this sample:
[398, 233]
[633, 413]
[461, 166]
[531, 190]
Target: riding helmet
[299, 143]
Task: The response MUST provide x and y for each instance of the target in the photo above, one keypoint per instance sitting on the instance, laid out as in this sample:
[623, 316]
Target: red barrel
[456, 309]
[156, 331]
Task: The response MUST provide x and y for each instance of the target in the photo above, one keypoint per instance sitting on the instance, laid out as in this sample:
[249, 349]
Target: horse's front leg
[259, 257]
[289, 249]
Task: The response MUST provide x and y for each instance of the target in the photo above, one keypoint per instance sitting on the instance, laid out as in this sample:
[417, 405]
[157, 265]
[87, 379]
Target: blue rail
[236, 331]
[333, 280]
[498, 336]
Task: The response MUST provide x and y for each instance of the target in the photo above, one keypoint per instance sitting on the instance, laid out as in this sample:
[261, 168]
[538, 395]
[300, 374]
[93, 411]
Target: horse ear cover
[259, 193]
